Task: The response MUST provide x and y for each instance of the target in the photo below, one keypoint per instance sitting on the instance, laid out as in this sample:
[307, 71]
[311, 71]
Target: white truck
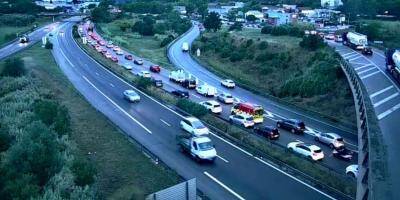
[199, 148]
[355, 40]
[206, 90]
[177, 76]
[185, 47]
[393, 63]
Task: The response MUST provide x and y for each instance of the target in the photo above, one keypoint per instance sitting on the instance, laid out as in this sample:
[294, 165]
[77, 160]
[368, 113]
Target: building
[180, 9]
[331, 3]
[256, 13]
[277, 18]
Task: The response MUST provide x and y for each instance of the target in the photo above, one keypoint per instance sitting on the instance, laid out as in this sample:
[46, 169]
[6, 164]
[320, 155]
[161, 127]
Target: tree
[312, 42]
[84, 172]
[236, 26]
[231, 16]
[212, 22]
[251, 18]
[13, 67]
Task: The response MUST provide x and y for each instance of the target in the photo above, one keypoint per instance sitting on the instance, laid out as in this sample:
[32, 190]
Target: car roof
[202, 139]
[312, 146]
[130, 91]
[212, 102]
[334, 135]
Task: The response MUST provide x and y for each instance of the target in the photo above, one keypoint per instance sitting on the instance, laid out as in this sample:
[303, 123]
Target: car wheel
[278, 125]
[351, 174]
[309, 157]
[316, 139]
[331, 146]
[293, 131]
[291, 149]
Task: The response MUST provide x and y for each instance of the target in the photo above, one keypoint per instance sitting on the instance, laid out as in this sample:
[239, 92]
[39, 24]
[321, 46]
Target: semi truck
[177, 76]
[199, 148]
[185, 47]
[393, 63]
[355, 40]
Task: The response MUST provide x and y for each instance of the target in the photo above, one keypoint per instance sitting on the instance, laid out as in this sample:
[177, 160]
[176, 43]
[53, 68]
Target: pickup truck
[199, 148]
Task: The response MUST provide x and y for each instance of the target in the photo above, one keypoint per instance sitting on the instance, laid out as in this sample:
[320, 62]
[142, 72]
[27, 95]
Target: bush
[13, 67]
[262, 45]
[143, 83]
[236, 56]
[236, 26]
[167, 40]
[16, 19]
[48, 45]
[75, 31]
[191, 108]
[279, 30]
[84, 172]
[266, 29]
[312, 42]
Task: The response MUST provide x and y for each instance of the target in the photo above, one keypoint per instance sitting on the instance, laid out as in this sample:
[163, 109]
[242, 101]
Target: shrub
[236, 56]
[75, 31]
[45, 110]
[48, 45]
[312, 42]
[167, 40]
[13, 67]
[191, 108]
[143, 83]
[236, 26]
[262, 45]
[84, 172]
[249, 42]
[279, 30]
[266, 29]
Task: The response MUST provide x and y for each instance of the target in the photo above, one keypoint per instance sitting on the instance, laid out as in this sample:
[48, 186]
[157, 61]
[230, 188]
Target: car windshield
[206, 146]
[216, 106]
[132, 93]
[259, 112]
[318, 151]
[301, 124]
[197, 125]
[249, 119]
[228, 96]
[340, 139]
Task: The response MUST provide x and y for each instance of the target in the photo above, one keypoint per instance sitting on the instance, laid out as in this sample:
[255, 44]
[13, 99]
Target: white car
[225, 98]
[308, 150]
[120, 52]
[194, 126]
[144, 74]
[108, 55]
[352, 170]
[131, 96]
[244, 120]
[212, 106]
[332, 139]
[116, 48]
[228, 83]
[128, 67]
[110, 46]
[206, 90]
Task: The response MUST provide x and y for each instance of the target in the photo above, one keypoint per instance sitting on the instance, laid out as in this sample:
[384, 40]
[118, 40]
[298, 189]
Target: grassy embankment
[123, 172]
[9, 33]
[144, 46]
[277, 66]
[312, 169]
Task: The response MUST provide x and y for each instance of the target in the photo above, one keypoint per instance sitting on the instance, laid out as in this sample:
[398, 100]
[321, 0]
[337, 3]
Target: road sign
[84, 40]
[198, 52]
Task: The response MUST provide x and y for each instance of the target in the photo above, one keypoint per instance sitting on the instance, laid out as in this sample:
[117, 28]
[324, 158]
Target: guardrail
[371, 152]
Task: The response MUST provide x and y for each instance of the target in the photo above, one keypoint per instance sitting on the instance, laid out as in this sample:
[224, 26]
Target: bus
[254, 110]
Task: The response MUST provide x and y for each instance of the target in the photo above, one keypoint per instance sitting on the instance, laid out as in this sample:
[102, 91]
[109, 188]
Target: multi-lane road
[237, 174]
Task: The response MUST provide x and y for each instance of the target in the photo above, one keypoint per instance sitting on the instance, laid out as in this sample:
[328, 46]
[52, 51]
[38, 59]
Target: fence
[368, 129]
[181, 191]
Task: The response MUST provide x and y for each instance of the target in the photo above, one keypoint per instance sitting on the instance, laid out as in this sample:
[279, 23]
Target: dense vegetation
[295, 73]
[36, 159]
[386, 31]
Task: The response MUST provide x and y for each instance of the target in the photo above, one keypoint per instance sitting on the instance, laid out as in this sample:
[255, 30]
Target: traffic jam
[288, 133]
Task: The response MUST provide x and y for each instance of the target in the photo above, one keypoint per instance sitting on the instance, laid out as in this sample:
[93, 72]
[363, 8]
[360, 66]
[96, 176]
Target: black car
[189, 84]
[293, 125]
[343, 153]
[367, 51]
[180, 93]
[157, 83]
[269, 132]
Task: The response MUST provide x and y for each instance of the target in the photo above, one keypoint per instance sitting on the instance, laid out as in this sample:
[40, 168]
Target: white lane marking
[294, 178]
[367, 70]
[223, 159]
[364, 66]
[380, 91]
[358, 57]
[166, 123]
[388, 112]
[196, 96]
[236, 147]
[223, 185]
[351, 56]
[268, 114]
[347, 54]
[371, 74]
[164, 106]
[97, 74]
[112, 85]
[386, 99]
[358, 63]
[116, 105]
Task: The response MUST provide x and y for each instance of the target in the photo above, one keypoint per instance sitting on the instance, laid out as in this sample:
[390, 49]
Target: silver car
[225, 98]
[131, 96]
[332, 139]
[246, 121]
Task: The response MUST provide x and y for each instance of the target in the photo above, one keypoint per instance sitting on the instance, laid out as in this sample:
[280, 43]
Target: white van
[206, 90]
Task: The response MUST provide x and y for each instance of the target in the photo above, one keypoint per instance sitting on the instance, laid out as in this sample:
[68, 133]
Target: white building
[331, 3]
[256, 13]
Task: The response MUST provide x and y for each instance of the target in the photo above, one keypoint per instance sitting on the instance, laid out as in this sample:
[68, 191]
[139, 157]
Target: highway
[237, 174]
[270, 117]
[34, 37]
[384, 93]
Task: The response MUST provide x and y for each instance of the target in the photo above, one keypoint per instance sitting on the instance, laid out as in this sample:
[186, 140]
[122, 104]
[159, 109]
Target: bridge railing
[371, 153]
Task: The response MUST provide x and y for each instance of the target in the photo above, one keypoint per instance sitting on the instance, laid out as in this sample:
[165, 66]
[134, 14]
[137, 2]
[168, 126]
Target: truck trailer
[355, 40]
[185, 47]
[393, 63]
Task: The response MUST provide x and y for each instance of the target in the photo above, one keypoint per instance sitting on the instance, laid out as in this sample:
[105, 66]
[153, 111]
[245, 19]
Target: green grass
[123, 171]
[255, 34]
[389, 32]
[7, 31]
[144, 46]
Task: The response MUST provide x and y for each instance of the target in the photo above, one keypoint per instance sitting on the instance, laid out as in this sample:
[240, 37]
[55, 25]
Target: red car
[128, 57]
[155, 68]
[101, 43]
[114, 59]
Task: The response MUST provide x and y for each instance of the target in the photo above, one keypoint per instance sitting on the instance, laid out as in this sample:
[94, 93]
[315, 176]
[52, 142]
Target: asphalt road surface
[384, 93]
[236, 174]
[269, 119]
